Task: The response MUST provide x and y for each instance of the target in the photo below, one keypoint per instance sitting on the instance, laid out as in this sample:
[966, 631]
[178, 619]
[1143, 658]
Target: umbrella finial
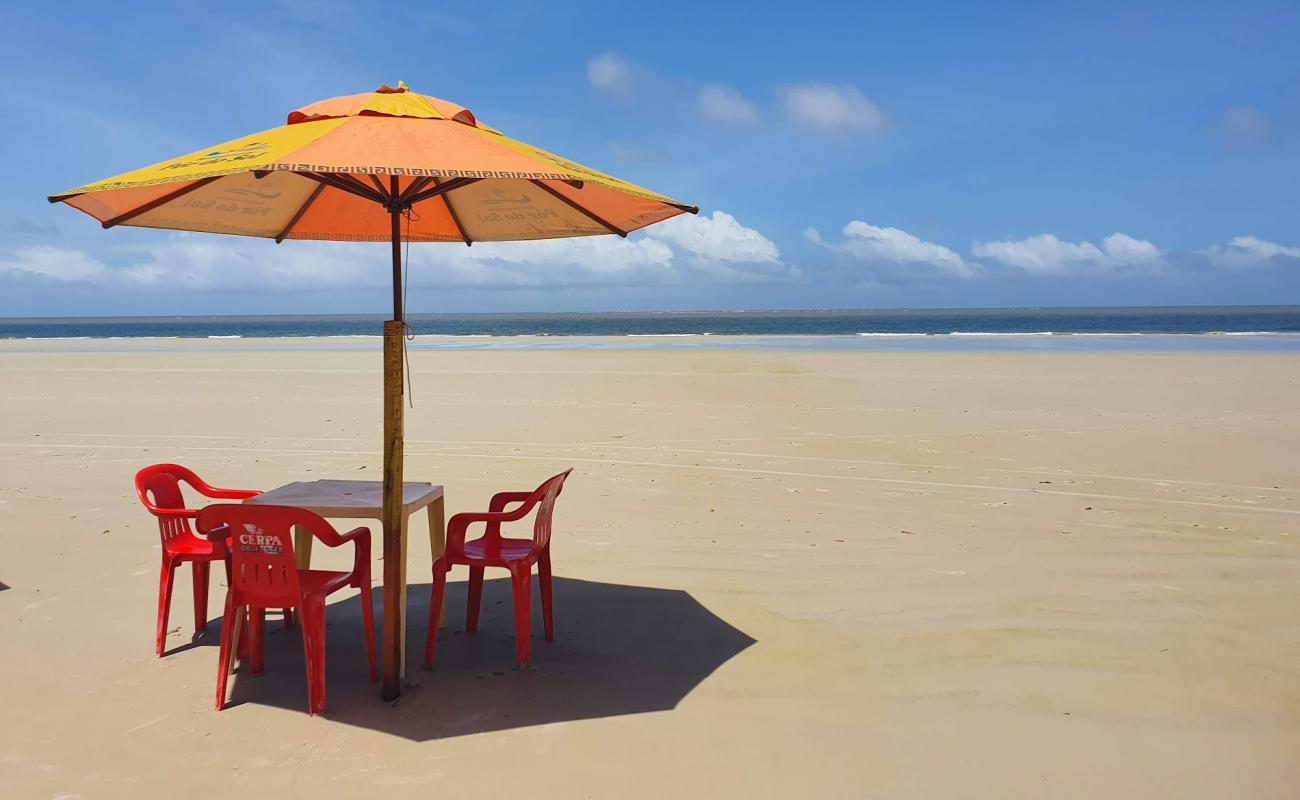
[386, 89]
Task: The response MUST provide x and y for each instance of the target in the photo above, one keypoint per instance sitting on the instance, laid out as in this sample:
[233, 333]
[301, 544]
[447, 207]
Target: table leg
[302, 540]
[401, 672]
[438, 542]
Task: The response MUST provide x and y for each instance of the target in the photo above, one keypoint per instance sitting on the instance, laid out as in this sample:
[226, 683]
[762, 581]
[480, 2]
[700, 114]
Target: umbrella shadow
[617, 650]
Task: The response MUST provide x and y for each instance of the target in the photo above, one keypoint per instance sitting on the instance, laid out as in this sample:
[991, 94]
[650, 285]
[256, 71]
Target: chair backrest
[263, 571]
[548, 491]
[160, 485]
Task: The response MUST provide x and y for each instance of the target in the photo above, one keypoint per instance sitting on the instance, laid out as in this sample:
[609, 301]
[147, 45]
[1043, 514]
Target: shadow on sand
[617, 650]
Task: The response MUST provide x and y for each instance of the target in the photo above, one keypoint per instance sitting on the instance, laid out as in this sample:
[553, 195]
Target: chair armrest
[459, 524]
[356, 534]
[218, 534]
[176, 513]
[502, 499]
[227, 494]
[360, 538]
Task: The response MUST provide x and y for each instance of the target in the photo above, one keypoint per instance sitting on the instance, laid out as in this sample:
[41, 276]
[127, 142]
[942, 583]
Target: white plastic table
[362, 500]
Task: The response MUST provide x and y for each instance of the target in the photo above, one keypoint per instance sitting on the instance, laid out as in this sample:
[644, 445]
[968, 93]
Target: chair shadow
[617, 650]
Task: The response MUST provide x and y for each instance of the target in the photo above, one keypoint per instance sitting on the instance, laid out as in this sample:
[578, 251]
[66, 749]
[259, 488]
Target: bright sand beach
[780, 574]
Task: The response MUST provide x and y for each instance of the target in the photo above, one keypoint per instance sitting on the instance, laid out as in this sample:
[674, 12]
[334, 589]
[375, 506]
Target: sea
[1233, 328]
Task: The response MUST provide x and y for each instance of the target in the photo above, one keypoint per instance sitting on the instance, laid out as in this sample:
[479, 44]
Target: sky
[855, 155]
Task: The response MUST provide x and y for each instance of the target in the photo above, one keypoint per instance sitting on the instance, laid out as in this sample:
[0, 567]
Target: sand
[780, 574]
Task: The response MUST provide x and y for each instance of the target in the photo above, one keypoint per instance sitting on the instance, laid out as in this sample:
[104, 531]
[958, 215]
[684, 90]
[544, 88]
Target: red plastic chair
[516, 555]
[159, 489]
[264, 576]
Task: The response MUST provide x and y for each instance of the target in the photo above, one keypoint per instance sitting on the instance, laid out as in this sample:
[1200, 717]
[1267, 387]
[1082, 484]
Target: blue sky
[843, 155]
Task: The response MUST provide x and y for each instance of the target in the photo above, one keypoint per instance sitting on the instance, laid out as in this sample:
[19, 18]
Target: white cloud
[725, 104]
[874, 245]
[1123, 249]
[610, 72]
[713, 249]
[718, 238]
[57, 263]
[1045, 254]
[1248, 251]
[828, 108]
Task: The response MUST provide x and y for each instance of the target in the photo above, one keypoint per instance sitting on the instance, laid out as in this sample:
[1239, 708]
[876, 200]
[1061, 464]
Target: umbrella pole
[394, 568]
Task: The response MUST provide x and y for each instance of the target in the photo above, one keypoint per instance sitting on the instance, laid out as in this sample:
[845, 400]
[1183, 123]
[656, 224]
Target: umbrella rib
[152, 204]
[311, 198]
[446, 201]
[454, 183]
[580, 209]
[375, 180]
[356, 187]
[353, 180]
[416, 185]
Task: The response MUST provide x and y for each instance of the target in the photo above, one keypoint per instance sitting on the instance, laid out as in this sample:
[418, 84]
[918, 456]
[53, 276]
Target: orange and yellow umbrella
[389, 165]
[337, 166]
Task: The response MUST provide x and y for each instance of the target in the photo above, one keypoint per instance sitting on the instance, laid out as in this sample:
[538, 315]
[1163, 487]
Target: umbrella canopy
[318, 177]
[356, 168]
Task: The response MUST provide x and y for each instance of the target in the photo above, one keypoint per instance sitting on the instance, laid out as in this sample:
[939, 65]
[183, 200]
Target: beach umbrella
[383, 166]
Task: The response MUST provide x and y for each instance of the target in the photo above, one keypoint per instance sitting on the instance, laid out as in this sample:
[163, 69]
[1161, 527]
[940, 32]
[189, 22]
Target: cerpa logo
[254, 540]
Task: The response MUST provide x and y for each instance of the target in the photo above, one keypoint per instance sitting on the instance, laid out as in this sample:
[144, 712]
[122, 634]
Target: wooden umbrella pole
[394, 585]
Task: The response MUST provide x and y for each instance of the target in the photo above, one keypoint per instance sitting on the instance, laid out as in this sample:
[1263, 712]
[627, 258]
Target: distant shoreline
[1039, 341]
[1225, 320]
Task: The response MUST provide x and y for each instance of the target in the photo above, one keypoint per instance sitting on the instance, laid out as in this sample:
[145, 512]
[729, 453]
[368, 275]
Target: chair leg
[165, 580]
[318, 645]
[368, 621]
[242, 650]
[256, 633]
[225, 654]
[201, 572]
[435, 610]
[475, 599]
[521, 582]
[312, 616]
[544, 587]
[308, 653]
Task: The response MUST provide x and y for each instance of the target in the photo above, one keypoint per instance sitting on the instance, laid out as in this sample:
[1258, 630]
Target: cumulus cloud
[1045, 254]
[610, 72]
[829, 108]
[58, 263]
[718, 238]
[726, 105]
[716, 249]
[876, 247]
[1244, 252]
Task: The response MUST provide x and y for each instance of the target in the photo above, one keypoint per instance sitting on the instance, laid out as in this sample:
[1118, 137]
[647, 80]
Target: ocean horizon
[1233, 328]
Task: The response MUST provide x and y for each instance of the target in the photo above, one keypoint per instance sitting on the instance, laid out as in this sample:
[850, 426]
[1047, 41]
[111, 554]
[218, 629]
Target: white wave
[876, 333]
[1002, 333]
[53, 338]
[664, 335]
[225, 336]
